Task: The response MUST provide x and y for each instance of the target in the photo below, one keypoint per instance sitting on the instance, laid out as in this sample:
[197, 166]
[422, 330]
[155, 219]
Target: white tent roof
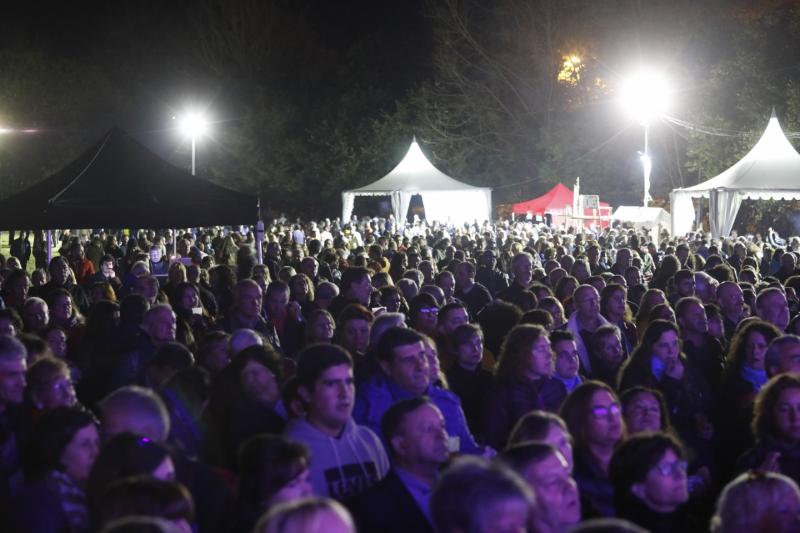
[771, 164]
[770, 170]
[416, 175]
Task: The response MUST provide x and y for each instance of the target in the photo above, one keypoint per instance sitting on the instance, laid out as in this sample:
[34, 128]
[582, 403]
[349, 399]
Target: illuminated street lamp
[193, 124]
[645, 96]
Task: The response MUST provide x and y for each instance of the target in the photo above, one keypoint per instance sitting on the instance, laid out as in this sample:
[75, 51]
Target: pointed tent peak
[773, 143]
[414, 160]
[414, 138]
[773, 114]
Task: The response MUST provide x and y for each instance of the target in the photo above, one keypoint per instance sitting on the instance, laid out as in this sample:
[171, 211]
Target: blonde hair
[303, 515]
[754, 502]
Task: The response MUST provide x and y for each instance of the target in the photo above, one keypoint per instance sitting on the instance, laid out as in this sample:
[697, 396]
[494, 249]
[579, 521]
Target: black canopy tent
[119, 183]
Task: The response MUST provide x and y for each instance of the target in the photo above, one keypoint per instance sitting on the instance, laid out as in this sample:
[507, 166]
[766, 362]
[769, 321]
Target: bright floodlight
[193, 124]
[645, 95]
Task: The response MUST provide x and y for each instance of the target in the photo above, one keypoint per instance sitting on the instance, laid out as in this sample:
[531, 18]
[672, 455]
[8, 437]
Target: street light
[193, 124]
[645, 97]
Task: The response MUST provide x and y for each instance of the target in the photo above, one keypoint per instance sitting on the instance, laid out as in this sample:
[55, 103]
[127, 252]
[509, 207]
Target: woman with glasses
[659, 363]
[594, 419]
[523, 382]
[648, 473]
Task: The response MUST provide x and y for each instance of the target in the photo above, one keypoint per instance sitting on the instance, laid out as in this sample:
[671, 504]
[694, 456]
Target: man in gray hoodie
[346, 458]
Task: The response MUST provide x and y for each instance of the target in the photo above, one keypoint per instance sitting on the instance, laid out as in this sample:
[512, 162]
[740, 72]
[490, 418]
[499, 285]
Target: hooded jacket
[342, 467]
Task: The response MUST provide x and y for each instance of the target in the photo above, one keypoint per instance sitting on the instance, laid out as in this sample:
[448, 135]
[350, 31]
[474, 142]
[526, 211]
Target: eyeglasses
[603, 411]
[645, 410]
[672, 469]
[429, 311]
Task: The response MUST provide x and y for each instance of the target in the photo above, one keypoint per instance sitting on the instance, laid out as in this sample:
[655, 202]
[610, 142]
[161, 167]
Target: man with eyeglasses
[403, 360]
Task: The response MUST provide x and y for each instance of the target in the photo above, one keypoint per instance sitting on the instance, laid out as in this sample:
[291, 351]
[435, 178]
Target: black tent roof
[119, 183]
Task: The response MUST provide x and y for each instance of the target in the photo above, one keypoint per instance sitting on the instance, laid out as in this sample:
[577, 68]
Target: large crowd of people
[367, 377]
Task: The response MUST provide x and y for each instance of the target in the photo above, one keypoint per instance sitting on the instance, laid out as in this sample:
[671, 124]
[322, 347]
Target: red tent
[555, 202]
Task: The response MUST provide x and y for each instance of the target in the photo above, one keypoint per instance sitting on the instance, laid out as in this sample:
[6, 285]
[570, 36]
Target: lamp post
[193, 125]
[645, 96]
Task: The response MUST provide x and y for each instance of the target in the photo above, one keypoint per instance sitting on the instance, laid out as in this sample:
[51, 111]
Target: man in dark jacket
[417, 438]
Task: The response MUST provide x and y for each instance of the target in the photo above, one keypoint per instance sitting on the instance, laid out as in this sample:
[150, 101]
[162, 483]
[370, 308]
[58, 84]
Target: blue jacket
[380, 392]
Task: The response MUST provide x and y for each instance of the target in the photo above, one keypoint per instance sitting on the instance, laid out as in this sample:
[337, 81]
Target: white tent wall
[457, 207]
[769, 171]
[446, 199]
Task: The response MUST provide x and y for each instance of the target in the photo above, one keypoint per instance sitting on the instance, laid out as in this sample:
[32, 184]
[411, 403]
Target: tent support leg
[49, 246]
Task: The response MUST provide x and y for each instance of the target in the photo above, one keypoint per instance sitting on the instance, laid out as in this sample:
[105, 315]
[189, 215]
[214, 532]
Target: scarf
[757, 378]
[658, 367]
[72, 498]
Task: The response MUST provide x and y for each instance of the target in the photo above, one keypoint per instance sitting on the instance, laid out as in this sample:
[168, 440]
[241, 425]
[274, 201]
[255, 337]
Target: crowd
[500, 377]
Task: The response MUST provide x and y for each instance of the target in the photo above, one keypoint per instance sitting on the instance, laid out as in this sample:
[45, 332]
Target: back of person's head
[393, 338]
[145, 496]
[242, 339]
[758, 502]
[472, 495]
[534, 426]
[142, 524]
[267, 463]
[607, 525]
[383, 323]
[518, 457]
[496, 320]
[137, 410]
[538, 317]
[326, 291]
[312, 515]
[314, 360]
[124, 455]
[172, 355]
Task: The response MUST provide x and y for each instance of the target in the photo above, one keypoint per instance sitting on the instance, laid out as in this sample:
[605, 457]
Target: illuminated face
[79, 455]
[424, 436]
[755, 347]
[59, 392]
[409, 367]
[155, 255]
[260, 383]
[666, 485]
[62, 309]
[610, 350]
[604, 424]
[522, 269]
[35, 315]
[447, 283]
[248, 301]
[556, 492]
[449, 322]
[470, 353]
[643, 413]
[694, 319]
[561, 440]
[667, 347]
[322, 329]
[276, 303]
[567, 360]
[587, 302]
[57, 340]
[12, 381]
[355, 335]
[786, 415]
[189, 298]
[332, 398]
[541, 359]
[775, 309]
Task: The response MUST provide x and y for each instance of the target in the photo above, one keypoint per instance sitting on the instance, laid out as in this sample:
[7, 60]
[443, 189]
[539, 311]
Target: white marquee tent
[445, 199]
[770, 170]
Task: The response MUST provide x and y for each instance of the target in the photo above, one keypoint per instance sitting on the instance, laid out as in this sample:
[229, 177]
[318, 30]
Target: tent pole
[49, 246]
[260, 241]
